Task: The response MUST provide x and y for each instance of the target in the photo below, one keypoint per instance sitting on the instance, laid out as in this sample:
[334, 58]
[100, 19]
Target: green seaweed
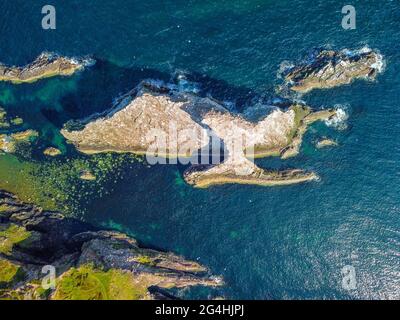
[55, 184]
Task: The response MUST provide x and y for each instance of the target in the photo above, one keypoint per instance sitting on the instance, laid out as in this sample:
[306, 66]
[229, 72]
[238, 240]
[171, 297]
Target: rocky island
[10, 143]
[45, 66]
[6, 122]
[52, 152]
[329, 68]
[89, 263]
[156, 120]
[325, 142]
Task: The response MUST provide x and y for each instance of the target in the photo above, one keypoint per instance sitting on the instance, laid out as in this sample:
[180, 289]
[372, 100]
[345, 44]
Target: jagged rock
[45, 66]
[73, 246]
[161, 122]
[328, 69]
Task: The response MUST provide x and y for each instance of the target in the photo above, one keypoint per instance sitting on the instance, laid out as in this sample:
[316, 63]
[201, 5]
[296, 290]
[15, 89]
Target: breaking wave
[339, 121]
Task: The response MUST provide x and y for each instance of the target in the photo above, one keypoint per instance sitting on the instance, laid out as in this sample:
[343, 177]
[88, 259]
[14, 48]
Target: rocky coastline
[89, 263]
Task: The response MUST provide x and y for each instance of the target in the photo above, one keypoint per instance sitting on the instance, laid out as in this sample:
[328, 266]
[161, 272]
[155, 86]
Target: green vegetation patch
[11, 236]
[300, 112]
[8, 271]
[88, 283]
[5, 208]
[17, 121]
[145, 260]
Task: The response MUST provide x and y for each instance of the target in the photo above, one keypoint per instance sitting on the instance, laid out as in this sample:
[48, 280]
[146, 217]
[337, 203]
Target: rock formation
[52, 152]
[89, 263]
[9, 143]
[7, 122]
[45, 66]
[157, 121]
[325, 142]
[328, 69]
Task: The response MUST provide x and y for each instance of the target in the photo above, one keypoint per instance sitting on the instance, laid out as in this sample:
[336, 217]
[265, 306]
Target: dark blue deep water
[267, 243]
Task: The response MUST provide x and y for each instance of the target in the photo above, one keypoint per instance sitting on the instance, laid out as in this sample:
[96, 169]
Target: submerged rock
[328, 69]
[45, 66]
[90, 263]
[326, 143]
[3, 120]
[160, 122]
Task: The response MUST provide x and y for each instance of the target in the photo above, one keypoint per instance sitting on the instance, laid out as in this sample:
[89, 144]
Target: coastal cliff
[89, 263]
[45, 66]
[329, 68]
[158, 121]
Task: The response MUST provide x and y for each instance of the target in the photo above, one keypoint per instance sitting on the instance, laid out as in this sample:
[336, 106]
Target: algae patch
[56, 184]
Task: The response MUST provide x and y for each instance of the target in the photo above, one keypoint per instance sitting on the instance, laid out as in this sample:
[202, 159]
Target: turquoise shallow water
[267, 243]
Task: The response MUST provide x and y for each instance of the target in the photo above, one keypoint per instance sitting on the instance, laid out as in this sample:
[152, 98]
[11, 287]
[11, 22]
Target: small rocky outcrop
[326, 142]
[329, 68]
[45, 66]
[10, 143]
[6, 122]
[52, 152]
[89, 263]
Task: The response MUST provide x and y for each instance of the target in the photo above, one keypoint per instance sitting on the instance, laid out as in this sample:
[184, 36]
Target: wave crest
[339, 121]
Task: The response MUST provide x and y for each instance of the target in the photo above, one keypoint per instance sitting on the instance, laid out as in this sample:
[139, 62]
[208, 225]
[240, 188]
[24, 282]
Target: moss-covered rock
[89, 263]
[88, 283]
[8, 272]
[10, 236]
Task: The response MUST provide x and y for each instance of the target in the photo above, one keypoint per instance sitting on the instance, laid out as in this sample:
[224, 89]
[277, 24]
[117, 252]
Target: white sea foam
[283, 67]
[379, 65]
[86, 61]
[183, 84]
[365, 49]
[339, 121]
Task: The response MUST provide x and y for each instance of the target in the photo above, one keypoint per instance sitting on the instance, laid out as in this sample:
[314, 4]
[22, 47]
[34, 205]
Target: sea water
[267, 243]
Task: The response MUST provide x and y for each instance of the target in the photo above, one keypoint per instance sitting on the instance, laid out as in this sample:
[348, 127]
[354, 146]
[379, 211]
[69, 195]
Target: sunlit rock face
[158, 121]
[149, 121]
